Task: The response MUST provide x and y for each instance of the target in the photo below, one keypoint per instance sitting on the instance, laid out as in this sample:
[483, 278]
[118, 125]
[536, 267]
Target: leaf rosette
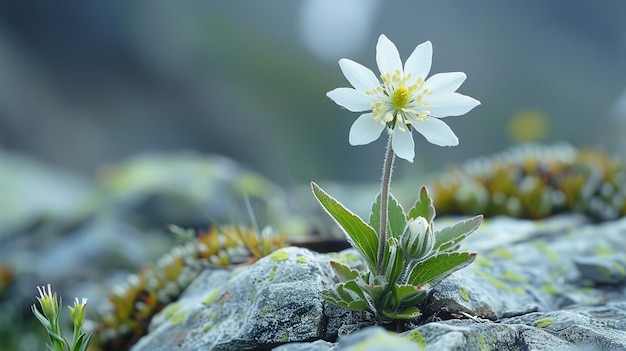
[416, 257]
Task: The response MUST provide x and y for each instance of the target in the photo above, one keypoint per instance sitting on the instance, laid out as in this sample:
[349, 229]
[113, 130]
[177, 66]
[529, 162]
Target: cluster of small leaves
[416, 257]
[49, 318]
[125, 316]
[535, 181]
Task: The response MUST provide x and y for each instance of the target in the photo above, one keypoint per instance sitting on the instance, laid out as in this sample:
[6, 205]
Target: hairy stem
[384, 197]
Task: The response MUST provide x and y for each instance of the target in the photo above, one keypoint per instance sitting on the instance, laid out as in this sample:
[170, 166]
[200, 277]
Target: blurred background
[94, 82]
[99, 98]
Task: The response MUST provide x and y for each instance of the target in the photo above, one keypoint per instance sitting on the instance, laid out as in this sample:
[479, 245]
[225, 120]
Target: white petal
[351, 99]
[387, 56]
[445, 82]
[361, 77]
[365, 130]
[419, 63]
[455, 104]
[436, 132]
[402, 143]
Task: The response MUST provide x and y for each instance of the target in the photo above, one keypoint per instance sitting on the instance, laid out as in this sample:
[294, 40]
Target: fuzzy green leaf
[404, 291]
[343, 272]
[447, 238]
[396, 219]
[373, 291]
[393, 262]
[408, 313]
[360, 235]
[354, 295]
[435, 268]
[331, 296]
[348, 295]
[340, 297]
[413, 299]
[423, 207]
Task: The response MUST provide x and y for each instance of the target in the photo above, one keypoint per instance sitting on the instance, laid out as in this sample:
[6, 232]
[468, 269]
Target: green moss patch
[603, 251]
[543, 322]
[178, 318]
[279, 255]
[514, 277]
[543, 248]
[212, 296]
[482, 261]
[417, 337]
[550, 288]
[499, 284]
[273, 273]
[171, 309]
[464, 294]
[619, 268]
[502, 253]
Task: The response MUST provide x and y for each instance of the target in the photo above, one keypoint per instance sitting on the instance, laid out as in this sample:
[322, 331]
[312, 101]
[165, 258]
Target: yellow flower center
[400, 97]
[405, 99]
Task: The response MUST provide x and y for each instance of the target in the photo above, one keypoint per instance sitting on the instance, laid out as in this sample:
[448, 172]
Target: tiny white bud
[417, 240]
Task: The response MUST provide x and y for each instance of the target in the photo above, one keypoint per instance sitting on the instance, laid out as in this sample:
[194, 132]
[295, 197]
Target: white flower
[405, 100]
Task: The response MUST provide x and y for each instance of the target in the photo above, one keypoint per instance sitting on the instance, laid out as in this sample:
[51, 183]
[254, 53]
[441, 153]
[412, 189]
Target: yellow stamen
[400, 97]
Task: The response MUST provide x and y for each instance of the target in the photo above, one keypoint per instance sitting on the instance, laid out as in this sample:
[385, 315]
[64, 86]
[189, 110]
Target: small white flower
[405, 100]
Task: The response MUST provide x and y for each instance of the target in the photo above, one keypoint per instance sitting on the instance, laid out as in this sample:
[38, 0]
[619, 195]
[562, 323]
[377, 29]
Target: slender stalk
[384, 197]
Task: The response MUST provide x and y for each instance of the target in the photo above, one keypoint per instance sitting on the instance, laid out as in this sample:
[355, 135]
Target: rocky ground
[558, 283]
[552, 284]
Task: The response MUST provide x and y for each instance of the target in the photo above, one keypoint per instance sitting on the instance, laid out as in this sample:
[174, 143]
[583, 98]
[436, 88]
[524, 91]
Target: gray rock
[154, 189]
[376, 339]
[532, 293]
[602, 270]
[272, 302]
[317, 345]
[468, 335]
[490, 292]
[37, 193]
[603, 328]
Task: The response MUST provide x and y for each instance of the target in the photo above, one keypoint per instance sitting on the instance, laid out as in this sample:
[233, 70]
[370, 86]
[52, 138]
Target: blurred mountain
[89, 83]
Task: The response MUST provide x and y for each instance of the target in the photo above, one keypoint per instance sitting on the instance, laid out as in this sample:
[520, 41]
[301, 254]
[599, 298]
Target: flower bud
[49, 303]
[78, 312]
[417, 240]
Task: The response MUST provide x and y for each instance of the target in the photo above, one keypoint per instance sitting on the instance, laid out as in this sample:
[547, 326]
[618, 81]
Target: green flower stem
[384, 197]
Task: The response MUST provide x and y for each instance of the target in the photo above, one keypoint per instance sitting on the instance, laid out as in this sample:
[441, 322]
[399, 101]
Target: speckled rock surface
[274, 301]
[556, 284]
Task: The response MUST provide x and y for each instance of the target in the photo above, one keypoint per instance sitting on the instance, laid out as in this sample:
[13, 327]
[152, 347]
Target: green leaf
[343, 271]
[85, 342]
[447, 238]
[331, 296]
[393, 262]
[423, 207]
[410, 300]
[404, 291]
[356, 299]
[348, 295]
[360, 235]
[408, 313]
[41, 318]
[435, 268]
[374, 291]
[396, 219]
